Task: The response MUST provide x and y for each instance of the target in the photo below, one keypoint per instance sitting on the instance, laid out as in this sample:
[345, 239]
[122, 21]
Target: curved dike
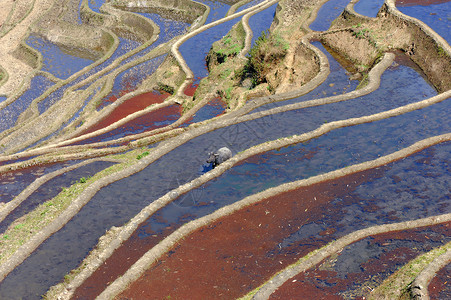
[114, 205]
[252, 244]
[250, 177]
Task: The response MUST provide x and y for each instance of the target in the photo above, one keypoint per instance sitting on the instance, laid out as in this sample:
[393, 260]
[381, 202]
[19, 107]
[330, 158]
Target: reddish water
[440, 286]
[128, 107]
[189, 91]
[239, 252]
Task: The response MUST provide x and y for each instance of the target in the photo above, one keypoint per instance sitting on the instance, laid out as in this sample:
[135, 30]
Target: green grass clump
[268, 51]
[144, 154]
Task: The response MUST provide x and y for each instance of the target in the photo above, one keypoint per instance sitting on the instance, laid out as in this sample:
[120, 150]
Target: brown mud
[324, 282]
[440, 286]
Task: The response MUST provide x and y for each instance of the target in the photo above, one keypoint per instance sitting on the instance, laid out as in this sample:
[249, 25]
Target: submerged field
[336, 113]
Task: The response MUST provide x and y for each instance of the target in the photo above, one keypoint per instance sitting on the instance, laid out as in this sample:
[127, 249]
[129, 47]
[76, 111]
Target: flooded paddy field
[106, 154]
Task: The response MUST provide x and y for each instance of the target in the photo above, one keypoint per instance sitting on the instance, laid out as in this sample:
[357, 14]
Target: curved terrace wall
[388, 31]
[185, 10]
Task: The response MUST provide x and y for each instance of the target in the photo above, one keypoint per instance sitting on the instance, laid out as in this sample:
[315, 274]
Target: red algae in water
[128, 107]
[189, 91]
[440, 287]
[237, 253]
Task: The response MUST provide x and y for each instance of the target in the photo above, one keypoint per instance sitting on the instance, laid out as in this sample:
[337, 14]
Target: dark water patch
[327, 13]
[51, 189]
[439, 287]
[212, 109]
[55, 61]
[364, 264]
[196, 48]
[117, 203]
[368, 8]
[338, 82]
[13, 183]
[261, 22]
[10, 113]
[127, 81]
[152, 120]
[436, 16]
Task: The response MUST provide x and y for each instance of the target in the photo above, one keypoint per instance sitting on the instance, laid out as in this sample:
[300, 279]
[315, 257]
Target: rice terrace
[231, 149]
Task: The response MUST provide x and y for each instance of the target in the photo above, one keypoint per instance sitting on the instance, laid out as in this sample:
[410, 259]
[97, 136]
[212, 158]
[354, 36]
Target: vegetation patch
[269, 51]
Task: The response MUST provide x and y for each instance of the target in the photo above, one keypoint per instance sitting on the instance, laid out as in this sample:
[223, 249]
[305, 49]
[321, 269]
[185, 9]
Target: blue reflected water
[327, 13]
[368, 8]
[13, 183]
[261, 21]
[10, 113]
[249, 4]
[127, 81]
[436, 16]
[96, 4]
[52, 188]
[337, 149]
[55, 61]
[196, 48]
[218, 10]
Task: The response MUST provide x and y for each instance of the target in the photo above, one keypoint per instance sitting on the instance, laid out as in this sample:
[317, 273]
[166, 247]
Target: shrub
[268, 51]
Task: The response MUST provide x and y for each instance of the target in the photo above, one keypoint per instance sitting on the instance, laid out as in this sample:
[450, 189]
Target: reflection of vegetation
[269, 50]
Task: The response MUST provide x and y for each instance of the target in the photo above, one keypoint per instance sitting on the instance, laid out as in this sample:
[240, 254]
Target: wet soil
[440, 287]
[363, 265]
